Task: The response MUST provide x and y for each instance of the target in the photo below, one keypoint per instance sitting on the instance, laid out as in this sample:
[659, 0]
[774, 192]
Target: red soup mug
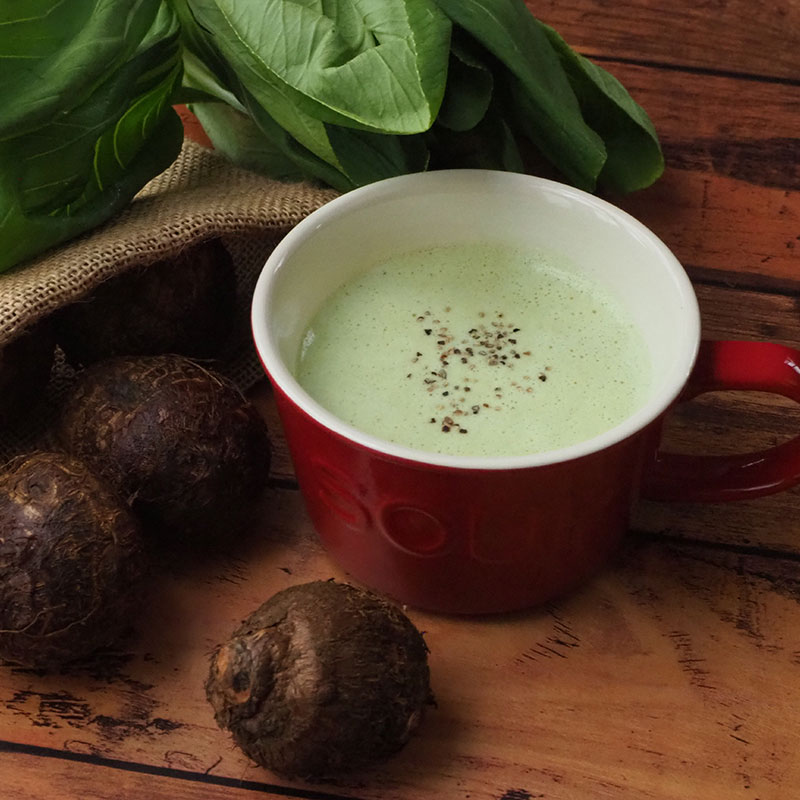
[488, 534]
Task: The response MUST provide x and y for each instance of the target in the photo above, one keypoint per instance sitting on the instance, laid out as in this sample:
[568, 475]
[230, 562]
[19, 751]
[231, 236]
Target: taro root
[71, 561]
[184, 305]
[25, 364]
[322, 679]
[175, 439]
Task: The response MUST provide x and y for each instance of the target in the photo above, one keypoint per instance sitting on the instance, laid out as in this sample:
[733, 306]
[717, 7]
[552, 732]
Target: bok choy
[352, 91]
[85, 114]
[344, 92]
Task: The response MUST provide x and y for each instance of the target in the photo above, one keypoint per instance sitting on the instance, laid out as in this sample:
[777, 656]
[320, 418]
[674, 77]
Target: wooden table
[675, 674]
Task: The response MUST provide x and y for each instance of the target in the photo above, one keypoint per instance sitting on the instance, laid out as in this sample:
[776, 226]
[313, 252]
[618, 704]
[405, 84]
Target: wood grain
[721, 35]
[720, 117]
[520, 706]
[729, 197]
[735, 422]
[727, 424]
[729, 313]
[30, 777]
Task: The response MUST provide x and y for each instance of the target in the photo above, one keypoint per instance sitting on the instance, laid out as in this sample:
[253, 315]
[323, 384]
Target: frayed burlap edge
[201, 195]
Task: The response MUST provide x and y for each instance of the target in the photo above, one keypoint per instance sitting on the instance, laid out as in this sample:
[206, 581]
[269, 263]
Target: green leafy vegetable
[634, 156]
[469, 89]
[352, 91]
[377, 64]
[345, 92]
[50, 49]
[240, 140]
[367, 157]
[293, 150]
[294, 146]
[542, 94]
[489, 145]
[87, 120]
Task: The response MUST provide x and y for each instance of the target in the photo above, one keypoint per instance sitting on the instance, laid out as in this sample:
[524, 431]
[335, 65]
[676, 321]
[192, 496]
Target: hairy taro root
[71, 561]
[184, 304]
[177, 440]
[25, 364]
[323, 678]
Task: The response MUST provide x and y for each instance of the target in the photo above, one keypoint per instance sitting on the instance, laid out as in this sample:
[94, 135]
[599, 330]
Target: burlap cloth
[199, 197]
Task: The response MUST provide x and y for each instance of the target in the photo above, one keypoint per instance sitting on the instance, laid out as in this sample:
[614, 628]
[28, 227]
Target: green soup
[476, 350]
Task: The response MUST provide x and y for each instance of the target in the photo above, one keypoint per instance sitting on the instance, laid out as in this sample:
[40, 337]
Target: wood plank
[734, 35]
[33, 777]
[742, 129]
[729, 197]
[729, 313]
[735, 422]
[727, 423]
[719, 223]
[695, 651]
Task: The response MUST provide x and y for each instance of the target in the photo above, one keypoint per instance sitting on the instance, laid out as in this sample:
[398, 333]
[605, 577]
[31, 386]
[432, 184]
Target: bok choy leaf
[94, 122]
[352, 91]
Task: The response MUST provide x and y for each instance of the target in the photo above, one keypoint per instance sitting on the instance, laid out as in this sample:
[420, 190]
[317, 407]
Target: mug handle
[732, 365]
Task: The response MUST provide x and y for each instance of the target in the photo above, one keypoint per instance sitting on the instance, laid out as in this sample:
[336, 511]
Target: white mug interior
[365, 226]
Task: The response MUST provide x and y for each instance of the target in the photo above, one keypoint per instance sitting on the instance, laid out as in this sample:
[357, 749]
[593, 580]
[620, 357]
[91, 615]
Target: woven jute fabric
[199, 197]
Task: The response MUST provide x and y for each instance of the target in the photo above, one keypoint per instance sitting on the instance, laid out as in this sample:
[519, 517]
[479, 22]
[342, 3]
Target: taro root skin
[72, 562]
[185, 304]
[322, 679]
[177, 440]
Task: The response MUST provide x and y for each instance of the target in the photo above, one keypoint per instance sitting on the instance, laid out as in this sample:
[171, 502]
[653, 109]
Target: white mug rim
[269, 353]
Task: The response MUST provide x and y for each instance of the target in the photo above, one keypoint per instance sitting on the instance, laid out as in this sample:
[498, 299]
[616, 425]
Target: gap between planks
[693, 70]
[168, 772]
[744, 281]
